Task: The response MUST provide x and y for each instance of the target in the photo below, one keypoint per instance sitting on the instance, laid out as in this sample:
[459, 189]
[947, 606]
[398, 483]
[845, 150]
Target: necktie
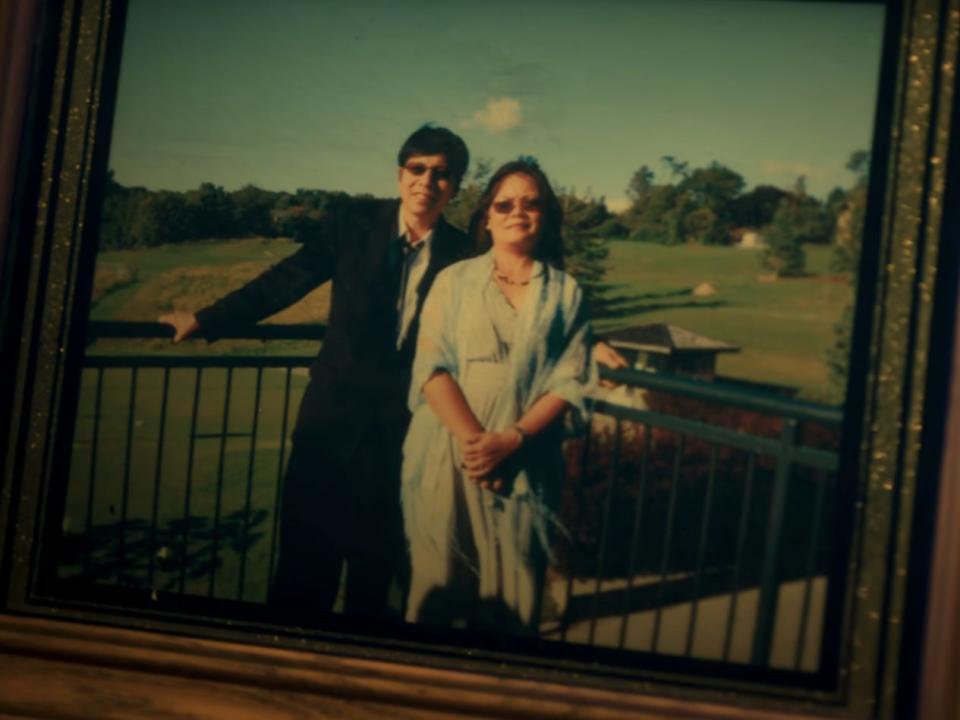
[399, 259]
[407, 253]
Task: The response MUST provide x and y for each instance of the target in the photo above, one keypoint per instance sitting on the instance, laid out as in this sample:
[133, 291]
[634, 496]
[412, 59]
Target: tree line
[709, 205]
[135, 217]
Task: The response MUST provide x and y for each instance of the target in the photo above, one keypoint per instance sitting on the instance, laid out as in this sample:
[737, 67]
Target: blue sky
[315, 94]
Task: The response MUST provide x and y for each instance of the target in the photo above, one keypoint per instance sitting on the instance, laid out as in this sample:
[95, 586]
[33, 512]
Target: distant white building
[752, 240]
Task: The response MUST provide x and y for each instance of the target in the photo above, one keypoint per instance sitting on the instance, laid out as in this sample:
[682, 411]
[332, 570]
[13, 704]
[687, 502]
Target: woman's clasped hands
[483, 452]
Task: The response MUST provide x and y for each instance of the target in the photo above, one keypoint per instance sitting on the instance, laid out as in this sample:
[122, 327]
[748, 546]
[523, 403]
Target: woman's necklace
[504, 278]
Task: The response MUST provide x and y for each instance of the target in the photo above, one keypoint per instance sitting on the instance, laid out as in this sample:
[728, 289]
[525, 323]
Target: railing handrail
[727, 394]
[135, 330]
[193, 362]
[798, 453]
[718, 391]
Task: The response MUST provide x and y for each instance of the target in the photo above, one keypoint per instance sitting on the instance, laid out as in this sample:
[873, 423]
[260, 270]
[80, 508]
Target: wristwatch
[524, 435]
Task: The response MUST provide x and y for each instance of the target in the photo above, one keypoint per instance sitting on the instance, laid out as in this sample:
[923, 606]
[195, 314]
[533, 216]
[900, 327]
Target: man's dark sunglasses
[418, 169]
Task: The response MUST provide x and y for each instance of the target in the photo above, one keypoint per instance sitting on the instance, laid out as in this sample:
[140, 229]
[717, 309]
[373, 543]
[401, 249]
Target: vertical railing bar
[189, 489]
[156, 478]
[280, 475]
[584, 456]
[95, 441]
[224, 428]
[702, 550]
[741, 545]
[247, 501]
[668, 542]
[769, 582]
[605, 527]
[125, 495]
[635, 537]
[811, 557]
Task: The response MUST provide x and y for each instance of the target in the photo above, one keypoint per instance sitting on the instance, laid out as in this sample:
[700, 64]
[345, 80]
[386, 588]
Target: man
[340, 499]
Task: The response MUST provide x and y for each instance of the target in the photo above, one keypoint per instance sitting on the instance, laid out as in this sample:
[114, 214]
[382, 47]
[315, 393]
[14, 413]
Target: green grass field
[783, 327]
[188, 277]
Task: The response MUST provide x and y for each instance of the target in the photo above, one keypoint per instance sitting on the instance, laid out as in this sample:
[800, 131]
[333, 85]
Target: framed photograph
[703, 430]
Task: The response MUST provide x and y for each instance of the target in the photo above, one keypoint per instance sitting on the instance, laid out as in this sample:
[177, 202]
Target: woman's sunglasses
[505, 207]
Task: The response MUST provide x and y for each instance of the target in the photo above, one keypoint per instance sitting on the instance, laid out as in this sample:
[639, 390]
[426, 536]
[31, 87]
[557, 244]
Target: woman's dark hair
[549, 247]
[433, 140]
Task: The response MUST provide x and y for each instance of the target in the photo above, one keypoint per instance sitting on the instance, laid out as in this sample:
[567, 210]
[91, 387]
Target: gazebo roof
[666, 339]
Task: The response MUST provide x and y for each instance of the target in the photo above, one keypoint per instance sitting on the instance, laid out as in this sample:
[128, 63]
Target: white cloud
[498, 116]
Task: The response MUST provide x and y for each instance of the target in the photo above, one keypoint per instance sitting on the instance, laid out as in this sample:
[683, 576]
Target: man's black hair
[432, 140]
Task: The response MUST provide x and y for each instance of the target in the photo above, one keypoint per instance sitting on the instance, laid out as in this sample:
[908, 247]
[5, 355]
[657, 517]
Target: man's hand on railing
[605, 355]
[184, 324]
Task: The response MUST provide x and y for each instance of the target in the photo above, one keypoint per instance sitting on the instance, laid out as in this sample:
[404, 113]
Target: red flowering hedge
[652, 463]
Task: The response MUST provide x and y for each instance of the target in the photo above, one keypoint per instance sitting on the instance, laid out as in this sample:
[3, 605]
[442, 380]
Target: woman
[502, 352]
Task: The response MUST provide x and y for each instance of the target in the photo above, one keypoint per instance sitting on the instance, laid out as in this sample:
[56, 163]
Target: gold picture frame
[76, 95]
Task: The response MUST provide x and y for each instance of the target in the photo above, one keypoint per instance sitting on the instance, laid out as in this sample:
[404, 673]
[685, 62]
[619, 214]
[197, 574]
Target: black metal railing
[208, 439]
[777, 461]
[678, 531]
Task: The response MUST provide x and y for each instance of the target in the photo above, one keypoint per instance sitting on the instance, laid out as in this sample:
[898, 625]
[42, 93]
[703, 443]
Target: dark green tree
[213, 212]
[848, 232]
[784, 253]
[710, 191]
[755, 208]
[461, 207]
[303, 218]
[859, 165]
[640, 184]
[252, 210]
[160, 217]
[799, 220]
[704, 226]
[646, 219]
[849, 222]
[582, 214]
[284, 200]
[697, 208]
[838, 354]
[714, 186]
[119, 207]
[585, 226]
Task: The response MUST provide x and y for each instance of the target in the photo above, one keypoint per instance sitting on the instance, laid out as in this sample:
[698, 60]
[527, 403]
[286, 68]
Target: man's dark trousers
[324, 524]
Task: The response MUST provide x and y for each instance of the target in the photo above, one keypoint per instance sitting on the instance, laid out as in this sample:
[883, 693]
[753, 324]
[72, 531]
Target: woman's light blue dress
[489, 546]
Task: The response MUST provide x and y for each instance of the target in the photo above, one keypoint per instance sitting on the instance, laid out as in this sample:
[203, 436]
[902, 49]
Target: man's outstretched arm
[273, 290]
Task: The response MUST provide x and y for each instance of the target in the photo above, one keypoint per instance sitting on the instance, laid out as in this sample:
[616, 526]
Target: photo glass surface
[711, 160]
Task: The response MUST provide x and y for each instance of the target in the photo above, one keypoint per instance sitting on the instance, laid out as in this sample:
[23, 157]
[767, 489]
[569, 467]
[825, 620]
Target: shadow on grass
[626, 304]
[182, 550]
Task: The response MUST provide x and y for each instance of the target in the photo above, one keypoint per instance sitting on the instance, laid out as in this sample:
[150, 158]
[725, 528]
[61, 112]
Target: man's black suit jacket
[360, 379]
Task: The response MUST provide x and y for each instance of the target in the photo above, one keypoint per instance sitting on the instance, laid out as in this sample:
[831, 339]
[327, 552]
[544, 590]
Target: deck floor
[636, 630]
